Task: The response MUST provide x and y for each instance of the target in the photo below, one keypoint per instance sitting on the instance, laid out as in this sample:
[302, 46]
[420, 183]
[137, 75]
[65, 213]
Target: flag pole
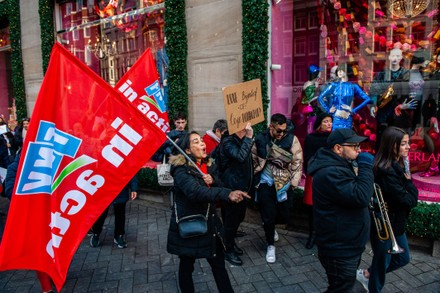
[184, 154]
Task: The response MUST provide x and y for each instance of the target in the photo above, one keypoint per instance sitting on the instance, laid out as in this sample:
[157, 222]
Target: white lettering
[42, 180]
[90, 184]
[71, 203]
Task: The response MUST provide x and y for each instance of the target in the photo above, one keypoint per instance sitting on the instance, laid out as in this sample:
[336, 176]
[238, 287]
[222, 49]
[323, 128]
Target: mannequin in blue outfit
[342, 93]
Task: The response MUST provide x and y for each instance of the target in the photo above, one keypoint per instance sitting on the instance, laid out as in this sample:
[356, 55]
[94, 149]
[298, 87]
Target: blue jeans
[384, 262]
[341, 272]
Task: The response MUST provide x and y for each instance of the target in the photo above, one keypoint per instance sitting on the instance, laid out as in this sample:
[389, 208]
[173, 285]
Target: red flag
[83, 145]
[141, 87]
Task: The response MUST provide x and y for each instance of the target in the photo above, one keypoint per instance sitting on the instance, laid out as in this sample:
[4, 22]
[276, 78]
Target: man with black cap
[342, 187]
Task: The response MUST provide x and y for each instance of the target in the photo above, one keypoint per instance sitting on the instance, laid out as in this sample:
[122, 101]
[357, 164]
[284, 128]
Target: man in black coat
[342, 187]
[236, 170]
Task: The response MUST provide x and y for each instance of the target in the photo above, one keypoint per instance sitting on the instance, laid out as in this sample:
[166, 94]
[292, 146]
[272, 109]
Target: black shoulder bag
[193, 225]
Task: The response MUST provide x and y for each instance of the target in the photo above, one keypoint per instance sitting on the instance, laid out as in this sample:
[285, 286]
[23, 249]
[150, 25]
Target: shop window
[313, 46]
[300, 46]
[300, 22]
[300, 73]
[68, 9]
[79, 5]
[313, 20]
[108, 35]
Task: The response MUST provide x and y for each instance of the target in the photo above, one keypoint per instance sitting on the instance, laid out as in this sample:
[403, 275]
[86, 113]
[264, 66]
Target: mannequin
[343, 92]
[301, 110]
[396, 78]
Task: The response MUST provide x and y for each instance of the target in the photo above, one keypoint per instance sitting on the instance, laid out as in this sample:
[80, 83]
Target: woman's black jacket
[399, 193]
[192, 196]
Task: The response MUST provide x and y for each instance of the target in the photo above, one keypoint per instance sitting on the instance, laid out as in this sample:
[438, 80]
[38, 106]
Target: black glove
[365, 158]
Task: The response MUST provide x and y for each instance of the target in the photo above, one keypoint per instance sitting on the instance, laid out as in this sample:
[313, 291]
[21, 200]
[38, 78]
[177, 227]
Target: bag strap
[164, 161]
[177, 218]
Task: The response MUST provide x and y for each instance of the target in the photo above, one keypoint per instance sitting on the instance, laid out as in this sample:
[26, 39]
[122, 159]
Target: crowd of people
[239, 167]
[266, 168]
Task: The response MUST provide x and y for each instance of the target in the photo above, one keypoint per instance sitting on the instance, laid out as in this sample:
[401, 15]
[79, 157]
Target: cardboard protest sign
[243, 104]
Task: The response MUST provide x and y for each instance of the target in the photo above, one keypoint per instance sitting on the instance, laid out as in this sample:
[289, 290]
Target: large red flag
[141, 87]
[84, 143]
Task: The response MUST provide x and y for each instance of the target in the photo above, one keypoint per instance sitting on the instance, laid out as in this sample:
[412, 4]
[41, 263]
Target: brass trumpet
[382, 221]
[386, 96]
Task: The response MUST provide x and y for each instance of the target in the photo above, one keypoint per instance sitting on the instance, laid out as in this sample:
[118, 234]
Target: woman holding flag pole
[196, 188]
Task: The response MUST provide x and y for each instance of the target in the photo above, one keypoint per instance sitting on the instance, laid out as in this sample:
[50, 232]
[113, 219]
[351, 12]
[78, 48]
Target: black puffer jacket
[192, 196]
[235, 162]
[399, 193]
[340, 204]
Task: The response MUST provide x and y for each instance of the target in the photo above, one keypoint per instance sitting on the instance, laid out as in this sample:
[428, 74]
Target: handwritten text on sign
[243, 104]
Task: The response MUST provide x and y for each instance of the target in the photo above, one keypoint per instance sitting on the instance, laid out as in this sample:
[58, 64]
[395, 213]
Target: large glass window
[109, 35]
[363, 36]
[7, 111]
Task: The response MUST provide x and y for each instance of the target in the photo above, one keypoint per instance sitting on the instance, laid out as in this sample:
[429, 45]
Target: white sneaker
[276, 237]
[270, 255]
[362, 279]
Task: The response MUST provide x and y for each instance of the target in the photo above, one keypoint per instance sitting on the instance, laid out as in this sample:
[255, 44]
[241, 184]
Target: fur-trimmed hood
[180, 160]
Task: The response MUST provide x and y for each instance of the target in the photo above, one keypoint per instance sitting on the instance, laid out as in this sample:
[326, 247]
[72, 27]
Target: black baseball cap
[344, 135]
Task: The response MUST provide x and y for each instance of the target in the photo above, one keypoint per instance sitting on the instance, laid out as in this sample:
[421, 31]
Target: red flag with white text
[141, 87]
[83, 145]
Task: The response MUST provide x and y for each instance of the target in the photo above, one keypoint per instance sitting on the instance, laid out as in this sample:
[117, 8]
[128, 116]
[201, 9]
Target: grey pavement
[145, 266]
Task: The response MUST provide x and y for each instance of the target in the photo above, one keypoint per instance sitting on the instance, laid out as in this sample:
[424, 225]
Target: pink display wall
[4, 91]
[281, 47]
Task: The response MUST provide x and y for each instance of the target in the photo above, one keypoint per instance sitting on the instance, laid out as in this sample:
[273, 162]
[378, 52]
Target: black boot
[311, 241]
[233, 258]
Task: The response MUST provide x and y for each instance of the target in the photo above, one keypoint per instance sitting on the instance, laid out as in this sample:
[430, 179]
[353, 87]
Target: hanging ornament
[405, 47]
[356, 26]
[389, 44]
[368, 34]
[105, 9]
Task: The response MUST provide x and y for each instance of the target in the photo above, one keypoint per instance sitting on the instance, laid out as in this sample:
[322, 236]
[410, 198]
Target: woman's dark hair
[184, 141]
[319, 119]
[389, 148]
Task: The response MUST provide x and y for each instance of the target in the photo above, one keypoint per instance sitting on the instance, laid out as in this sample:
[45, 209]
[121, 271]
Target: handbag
[164, 177]
[279, 157]
[193, 225]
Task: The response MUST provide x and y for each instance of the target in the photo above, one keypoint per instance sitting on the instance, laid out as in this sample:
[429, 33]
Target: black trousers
[119, 211]
[186, 268]
[269, 207]
[233, 215]
[341, 272]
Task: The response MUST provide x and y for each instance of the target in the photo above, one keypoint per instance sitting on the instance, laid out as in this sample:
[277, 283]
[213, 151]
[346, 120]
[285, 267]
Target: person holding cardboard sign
[236, 171]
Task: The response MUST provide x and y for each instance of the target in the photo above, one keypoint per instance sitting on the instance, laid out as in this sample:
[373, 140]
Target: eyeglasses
[279, 131]
[355, 146]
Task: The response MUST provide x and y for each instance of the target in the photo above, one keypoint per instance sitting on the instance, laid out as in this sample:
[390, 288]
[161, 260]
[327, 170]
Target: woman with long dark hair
[196, 194]
[401, 196]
